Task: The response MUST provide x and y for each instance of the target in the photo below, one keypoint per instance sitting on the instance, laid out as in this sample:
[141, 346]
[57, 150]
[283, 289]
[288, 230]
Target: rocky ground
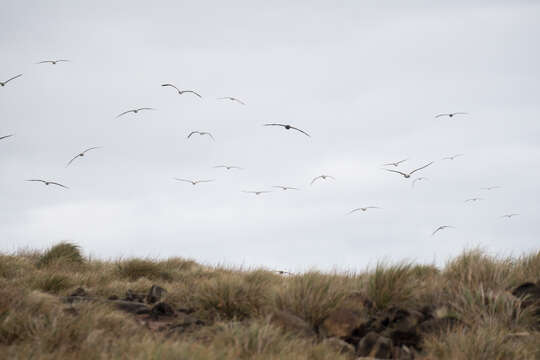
[179, 309]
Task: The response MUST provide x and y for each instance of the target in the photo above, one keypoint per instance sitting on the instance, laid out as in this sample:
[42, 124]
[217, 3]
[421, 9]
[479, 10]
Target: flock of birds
[405, 174]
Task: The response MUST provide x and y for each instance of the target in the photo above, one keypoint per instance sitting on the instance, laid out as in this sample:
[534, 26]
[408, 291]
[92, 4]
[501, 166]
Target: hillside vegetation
[58, 304]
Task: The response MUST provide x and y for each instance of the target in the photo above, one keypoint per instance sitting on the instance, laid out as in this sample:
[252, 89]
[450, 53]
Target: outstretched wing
[190, 91]
[420, 168]
[92, 148]
[8, 80]
[274, 124]
[193, 132]
[302, 131]
[396, 171]
[184, 180]
[58, 184]
[38, 180]
[6, 136]
[315, 179]
[125, 112]
[72, 160]
[171, 85]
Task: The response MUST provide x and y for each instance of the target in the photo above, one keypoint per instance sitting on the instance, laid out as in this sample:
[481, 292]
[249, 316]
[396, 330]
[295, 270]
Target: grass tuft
[64, 253]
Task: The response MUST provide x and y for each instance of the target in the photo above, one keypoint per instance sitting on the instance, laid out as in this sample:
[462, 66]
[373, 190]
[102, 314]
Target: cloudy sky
[364, 79]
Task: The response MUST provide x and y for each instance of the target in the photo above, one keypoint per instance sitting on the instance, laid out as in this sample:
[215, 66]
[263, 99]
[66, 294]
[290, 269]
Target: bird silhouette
[285, 187]
[193, 182]
[452, 157]
[450, 115]
[201, 133]
[396, 164]
[81, 154]
[490, 188]
[408, 175]
[135, 111]
[441, 228]
[232, 99]
[323, 177]
[362, 209]
[228, 167]
[6, 136]
[47, 182]
[258, 192]
[475, 199]
[288, 127]
[509, 216]
[53, 62]
[421, 178]
[183, 91]
[4, 83]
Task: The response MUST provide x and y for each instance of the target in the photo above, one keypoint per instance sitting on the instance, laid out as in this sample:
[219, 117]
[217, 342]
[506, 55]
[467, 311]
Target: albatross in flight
[475, 199]
[46, 182]
[395, 163]
[81, 154]
[3, 83]
[450, 115]
[362, 209]
[183, 91]
[53, 62]
[324, 177]
[452, 157]
[193, 182]
[441, 228]
[285, 187]
[232, 99]
[288, 127]
[258, 192]
[228, 167]
[135, 111]
[408, 175]
[201, 133]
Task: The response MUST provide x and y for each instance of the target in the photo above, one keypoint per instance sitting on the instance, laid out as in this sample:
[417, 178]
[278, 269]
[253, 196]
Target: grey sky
[364, 80]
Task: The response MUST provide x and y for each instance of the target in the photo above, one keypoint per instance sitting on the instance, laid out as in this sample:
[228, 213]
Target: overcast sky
[364, 79]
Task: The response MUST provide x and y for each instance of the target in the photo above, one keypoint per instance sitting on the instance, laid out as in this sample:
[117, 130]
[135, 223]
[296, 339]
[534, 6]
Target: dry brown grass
[236, 305]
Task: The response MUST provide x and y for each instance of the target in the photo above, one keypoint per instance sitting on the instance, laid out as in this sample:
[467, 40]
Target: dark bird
[408, 175]
[283, 272]
[135, 111]
[232, 99]
[193, 182]
[509, 216]
[362, 209]
[450, 115]
[324, 177]
[288, 127]
[490, 188]
[441, 228]
[3, 83]
[48, 183]
[201, 133]
[256, 192]
[452, 157]
[6, 136]
[82, 154]
[395, 163]
[183, 91]
[53, 62]
[228, 167]
[421, 178]
[286, 187]
[475, 199]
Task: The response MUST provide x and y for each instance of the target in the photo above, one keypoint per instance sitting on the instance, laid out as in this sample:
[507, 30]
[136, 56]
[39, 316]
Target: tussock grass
[236, 306]
[62, 254]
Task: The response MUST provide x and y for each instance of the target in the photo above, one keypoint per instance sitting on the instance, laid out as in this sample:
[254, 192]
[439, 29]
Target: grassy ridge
[238, 307]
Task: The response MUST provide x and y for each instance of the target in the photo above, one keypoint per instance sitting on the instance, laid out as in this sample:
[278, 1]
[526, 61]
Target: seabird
[183, 91]
[324, 177]
[288, 127]
[82, 154]
[135, 111]
[201, 133]
[408, 175]
[3, 83]
[46, 182]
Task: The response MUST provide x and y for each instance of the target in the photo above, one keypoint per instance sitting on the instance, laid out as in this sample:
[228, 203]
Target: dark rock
[79, 292]
[185, 310]
[155, 294]
[113, 297]
[162, 309]
[130, 306]
[292, 323]
[342, 322]
[339, 345]
[375, 345]
[527, 288]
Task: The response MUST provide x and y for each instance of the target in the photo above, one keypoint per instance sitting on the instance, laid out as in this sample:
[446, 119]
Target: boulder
[79, 292]
[342, 322]
[162, 309]
[155, 294]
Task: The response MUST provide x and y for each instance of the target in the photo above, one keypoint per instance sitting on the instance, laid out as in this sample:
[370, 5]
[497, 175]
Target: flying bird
[490, 188]
[450, 115]
[228, 167]
[395, 163]
[183, 91]
[362, 209]
[324, 177]
[288, 127]
[135, 111]
[52, 61]
[441, 228]
[6, 136]
[46, 182]
[285, 187]
[452, 157]
[509, 216]
[257, 192]
[232, 99]
[408, 175]
[474, 199]
[81, 154]
[3, 83]
[201, 133]
[418, 179]
[193, 182]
